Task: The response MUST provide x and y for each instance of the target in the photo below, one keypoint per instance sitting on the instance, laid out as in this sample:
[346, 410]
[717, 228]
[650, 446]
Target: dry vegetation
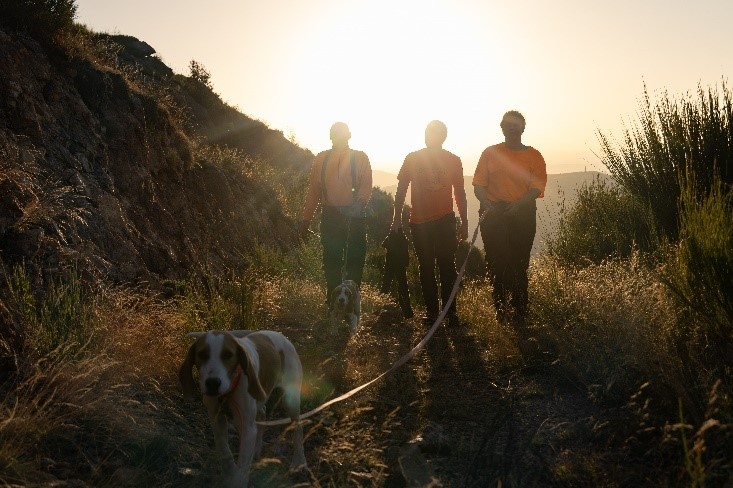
[596, 406]
[622, 379]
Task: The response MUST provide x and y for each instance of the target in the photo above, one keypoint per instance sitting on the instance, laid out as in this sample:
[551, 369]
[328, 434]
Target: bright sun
[387, 69]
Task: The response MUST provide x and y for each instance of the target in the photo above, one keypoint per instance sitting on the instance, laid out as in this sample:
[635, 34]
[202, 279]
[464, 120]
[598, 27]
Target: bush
[199, 73]
[42, 19]
[672, 138]
[604, 222]
[702, 273]
[58, 318]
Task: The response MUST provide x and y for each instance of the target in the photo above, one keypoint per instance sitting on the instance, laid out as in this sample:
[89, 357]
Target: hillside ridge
[100, 173]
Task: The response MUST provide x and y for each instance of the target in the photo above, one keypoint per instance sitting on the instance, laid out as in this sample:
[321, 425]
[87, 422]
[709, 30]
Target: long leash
[403, 359]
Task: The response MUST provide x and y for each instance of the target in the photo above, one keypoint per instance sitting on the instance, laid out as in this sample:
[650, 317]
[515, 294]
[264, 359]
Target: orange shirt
[433, 175]
[507, 174]
[338, 180]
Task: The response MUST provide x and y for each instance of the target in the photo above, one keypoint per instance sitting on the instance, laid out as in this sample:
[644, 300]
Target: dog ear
[254, 387]
[185, 374]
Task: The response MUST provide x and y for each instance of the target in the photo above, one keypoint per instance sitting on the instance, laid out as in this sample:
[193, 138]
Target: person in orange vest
[436, 178]
[509, 177]
[341, 182]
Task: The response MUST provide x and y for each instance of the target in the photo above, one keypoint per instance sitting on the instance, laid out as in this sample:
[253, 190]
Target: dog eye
[226, 355]
[202, 355]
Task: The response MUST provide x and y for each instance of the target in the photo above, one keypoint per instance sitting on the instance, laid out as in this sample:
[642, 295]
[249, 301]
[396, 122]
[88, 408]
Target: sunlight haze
[387, 67]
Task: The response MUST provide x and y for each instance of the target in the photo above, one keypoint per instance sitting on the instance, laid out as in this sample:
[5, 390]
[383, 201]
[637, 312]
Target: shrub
[42, 19]
[701, 275]
[670, 139]
[59, 317]
[198, 73]
[604, 222]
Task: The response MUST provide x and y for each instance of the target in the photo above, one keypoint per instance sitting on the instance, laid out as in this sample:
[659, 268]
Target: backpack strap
[353, 176]
[323, 177]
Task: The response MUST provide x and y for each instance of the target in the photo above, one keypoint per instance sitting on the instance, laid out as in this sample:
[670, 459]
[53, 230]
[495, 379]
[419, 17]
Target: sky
[574, 68]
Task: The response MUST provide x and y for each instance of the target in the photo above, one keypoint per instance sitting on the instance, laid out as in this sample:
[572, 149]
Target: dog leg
[260, 431]
[219, 426]
[291, 401]
[353, 322]
[247, 441]
[292, 382]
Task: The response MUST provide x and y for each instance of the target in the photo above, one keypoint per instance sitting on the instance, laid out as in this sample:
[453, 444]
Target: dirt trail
[459, 421]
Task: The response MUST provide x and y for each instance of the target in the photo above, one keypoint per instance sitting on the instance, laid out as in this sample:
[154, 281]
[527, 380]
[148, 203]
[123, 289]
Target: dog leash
[403, 359]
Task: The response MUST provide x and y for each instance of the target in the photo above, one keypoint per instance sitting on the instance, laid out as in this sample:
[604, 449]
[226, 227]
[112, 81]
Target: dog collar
[235, 381]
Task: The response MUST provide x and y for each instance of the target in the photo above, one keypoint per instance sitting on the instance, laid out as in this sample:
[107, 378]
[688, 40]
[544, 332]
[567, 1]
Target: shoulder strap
[353, 175]
[323, 177]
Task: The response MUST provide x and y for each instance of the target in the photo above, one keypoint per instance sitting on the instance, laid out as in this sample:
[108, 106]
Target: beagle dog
[346, 304]
[237, 371]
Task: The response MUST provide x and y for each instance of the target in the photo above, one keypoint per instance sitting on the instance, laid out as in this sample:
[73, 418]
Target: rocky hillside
[104, 165]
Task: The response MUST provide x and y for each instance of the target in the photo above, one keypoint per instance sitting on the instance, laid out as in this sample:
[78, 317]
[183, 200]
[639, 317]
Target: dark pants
[436, 242]
[507, 244]
[344, 247]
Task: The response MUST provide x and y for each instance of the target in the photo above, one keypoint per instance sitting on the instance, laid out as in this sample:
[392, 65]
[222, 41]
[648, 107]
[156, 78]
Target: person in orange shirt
[436, 177]
[509, 177]
[341, 181]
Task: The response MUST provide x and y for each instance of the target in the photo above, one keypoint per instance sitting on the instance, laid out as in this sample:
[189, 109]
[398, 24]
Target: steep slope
[95, 171]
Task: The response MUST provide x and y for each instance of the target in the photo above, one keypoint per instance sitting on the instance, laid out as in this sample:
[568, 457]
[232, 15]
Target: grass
[115, 407]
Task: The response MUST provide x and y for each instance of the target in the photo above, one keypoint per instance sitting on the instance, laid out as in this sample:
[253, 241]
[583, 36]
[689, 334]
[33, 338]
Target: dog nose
[212, 386]
[342, 299]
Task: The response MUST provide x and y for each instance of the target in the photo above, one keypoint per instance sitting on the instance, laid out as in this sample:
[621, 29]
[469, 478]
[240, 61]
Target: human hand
[513, 208]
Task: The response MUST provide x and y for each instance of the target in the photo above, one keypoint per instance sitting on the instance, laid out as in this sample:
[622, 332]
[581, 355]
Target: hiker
[395, 268]
[509, 177]
[436, 178]
[341, 181]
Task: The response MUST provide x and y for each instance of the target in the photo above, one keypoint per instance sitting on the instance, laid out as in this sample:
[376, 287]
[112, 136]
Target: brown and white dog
[346, 304]
[239, 370]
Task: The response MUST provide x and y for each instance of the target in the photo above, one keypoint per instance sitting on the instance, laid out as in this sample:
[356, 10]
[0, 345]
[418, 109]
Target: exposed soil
[456, 420]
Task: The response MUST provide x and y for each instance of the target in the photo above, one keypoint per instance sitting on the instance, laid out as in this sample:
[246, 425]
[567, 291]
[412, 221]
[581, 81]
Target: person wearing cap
[436, 178]
[341, 182]
[508, 179]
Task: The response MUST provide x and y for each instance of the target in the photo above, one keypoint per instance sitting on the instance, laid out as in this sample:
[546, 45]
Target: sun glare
[386, 69]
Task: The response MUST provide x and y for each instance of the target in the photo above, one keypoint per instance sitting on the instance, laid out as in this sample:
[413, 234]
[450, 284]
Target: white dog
[239, 370]
[346, 304]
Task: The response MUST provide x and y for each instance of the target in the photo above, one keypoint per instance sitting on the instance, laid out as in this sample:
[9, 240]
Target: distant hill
[561, 190]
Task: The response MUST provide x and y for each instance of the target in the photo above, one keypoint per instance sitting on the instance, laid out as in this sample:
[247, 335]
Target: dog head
[219, 359]
[342, 297]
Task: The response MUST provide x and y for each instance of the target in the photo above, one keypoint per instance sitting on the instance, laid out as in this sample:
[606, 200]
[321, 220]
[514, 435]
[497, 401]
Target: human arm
[399, 203]
[459, 191]
[483, 198]
[364, 188]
